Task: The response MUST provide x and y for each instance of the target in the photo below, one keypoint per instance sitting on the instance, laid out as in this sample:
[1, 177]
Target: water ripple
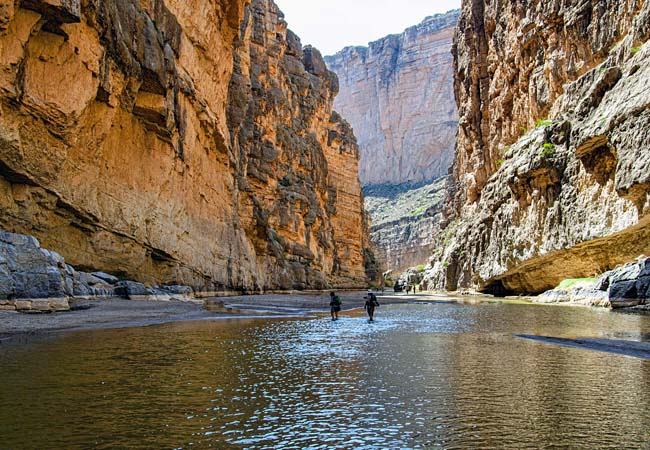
[421, 376]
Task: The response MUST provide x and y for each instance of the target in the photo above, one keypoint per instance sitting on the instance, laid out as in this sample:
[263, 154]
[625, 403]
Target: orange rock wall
[122, 149]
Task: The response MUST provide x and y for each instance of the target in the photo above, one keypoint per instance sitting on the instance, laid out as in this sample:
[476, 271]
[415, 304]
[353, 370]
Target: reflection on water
[422, 376]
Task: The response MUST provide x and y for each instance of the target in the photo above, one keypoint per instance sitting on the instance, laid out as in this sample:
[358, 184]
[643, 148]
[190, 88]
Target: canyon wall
[550, 177]
[398, 95]
[177, 142]
[405, 222]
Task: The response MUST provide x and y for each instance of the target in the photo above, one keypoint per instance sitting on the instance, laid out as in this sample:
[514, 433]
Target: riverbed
[444, 375]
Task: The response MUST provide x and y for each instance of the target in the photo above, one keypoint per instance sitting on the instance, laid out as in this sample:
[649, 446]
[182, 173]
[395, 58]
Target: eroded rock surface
[177, 142]
[35, 279]
[405, 222]
[568, 199]
[627, 286]
[398, 95]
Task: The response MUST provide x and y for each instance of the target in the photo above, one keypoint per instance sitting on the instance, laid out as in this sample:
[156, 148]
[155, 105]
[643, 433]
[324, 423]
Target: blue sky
[331, 25]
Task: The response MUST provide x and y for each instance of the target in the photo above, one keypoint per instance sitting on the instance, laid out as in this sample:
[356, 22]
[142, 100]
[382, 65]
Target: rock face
[157, 143]
[568, 199]
[398, 95]
[405, 221]
[627, 286]
[35, 279]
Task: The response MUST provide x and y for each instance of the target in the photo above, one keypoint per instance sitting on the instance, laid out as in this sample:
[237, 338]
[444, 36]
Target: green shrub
[635, 50]
[500, 162]
[286, 182]
[568, 284]
[445, 264]
[548, 150]
[421, 267]
[543, 123]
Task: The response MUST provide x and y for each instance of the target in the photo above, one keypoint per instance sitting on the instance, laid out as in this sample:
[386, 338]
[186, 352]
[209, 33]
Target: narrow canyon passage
[215, 235]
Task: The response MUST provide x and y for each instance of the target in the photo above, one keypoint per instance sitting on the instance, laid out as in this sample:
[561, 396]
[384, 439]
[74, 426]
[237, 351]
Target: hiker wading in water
[371, 304]
[335, 305]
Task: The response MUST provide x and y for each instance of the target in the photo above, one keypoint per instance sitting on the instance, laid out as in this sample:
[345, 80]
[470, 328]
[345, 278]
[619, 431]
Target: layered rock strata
[568, 199]
[176, 142]
[405, 221]
[398, 95]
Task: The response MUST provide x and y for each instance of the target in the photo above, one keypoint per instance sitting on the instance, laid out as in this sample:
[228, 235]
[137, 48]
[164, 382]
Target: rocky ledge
[627, 286]
[34, 279]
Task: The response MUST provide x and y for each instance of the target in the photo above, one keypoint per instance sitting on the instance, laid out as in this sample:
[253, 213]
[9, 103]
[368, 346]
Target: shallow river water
[421, 376]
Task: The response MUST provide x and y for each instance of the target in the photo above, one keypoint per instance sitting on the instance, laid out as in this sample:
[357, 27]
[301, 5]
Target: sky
[330, 25]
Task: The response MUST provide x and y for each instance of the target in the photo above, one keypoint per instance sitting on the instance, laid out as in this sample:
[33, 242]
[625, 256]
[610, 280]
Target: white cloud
[331, 25]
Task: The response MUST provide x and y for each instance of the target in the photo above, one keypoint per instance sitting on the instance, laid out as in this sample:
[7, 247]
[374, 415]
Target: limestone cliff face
[512, 61]
[398, 95]
[405, 222]
[177, 142]
[550, 178]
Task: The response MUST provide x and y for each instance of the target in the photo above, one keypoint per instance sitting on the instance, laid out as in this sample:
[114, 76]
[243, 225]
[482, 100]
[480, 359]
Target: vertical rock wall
[398, 95]
[187, 142]
[550, 177]
[512, 61]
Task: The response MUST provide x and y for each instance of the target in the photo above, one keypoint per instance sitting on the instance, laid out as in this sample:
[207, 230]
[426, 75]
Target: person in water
[335, 305]
[371, 304]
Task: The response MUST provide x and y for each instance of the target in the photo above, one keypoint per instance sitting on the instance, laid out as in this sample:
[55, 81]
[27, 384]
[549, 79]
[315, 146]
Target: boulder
[89, 279]
[131, 290]
[28, 271]
[110, 279]
[629, 285]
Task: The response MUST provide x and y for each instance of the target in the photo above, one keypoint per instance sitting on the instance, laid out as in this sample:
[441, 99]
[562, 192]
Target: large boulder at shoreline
[628, 285]
[28, 272]
[33, 279]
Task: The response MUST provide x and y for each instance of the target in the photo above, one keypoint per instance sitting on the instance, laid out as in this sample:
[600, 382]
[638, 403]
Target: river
[421, 376]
